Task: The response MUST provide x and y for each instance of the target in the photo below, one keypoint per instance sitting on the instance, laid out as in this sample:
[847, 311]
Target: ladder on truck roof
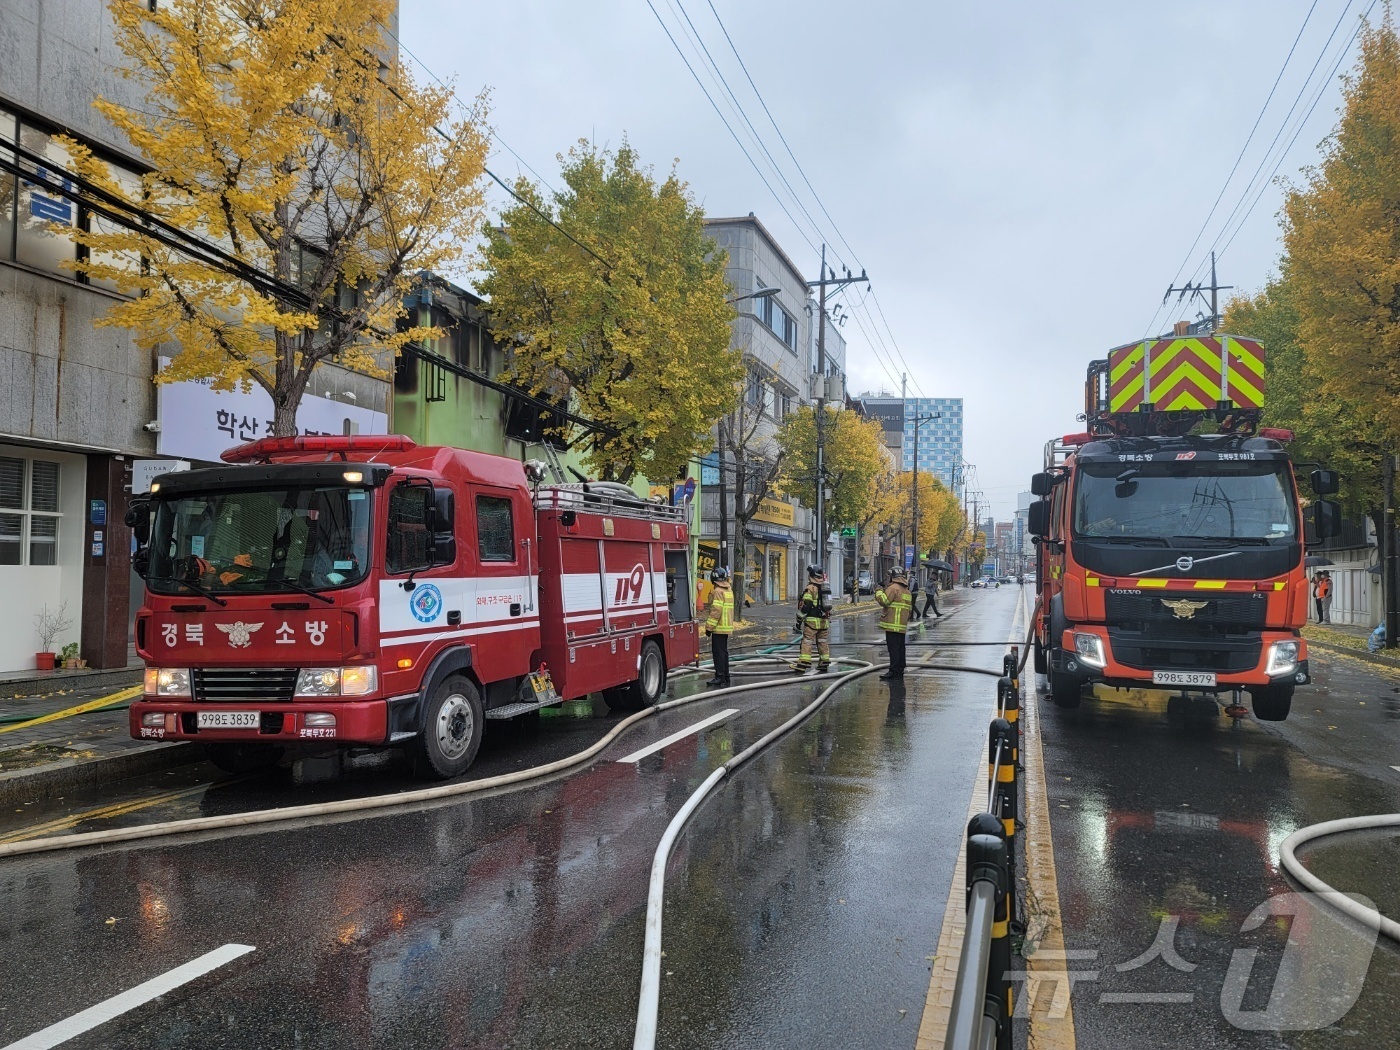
[611, 498]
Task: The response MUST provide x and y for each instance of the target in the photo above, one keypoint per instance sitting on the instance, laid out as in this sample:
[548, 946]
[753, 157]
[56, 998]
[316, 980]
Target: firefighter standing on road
[895, 602]
[814, 617]
[720, 624]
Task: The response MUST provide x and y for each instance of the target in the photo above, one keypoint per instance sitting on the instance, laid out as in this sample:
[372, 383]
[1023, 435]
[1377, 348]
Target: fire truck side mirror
[1038, 516]
[1327, 519]
[1325, 482]
[1042, 483]
[138, 520]
[444, 536]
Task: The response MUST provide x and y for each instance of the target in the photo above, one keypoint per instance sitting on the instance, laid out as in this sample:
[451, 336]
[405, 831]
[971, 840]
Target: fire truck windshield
[254, 541]
[1249, 501]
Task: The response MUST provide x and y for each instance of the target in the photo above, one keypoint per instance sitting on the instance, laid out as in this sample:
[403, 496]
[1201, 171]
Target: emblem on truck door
[425, 603]
[240, 634]
[1185, 608]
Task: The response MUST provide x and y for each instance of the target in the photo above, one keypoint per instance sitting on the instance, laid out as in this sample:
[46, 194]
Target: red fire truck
[324, 592]
[1168, 558]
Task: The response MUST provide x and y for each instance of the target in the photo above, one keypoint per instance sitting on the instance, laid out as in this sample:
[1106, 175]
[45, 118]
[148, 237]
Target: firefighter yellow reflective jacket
[896, 603]
[721, 618]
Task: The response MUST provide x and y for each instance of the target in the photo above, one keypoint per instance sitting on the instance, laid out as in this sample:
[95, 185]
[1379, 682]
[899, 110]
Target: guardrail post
[988, 860]
[1003, 795]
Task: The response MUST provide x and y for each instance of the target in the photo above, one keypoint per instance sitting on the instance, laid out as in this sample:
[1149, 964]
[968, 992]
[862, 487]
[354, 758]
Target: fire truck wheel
[646, 690]
[243, 758]
[1065, 689]
[1272, 703]
[1041, 664]
[451, 730]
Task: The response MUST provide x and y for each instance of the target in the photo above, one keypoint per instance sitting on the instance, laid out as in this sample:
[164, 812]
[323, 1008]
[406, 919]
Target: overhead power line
[1235, 167]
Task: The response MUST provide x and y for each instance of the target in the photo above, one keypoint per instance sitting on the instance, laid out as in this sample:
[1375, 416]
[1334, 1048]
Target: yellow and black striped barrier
[983, 1002]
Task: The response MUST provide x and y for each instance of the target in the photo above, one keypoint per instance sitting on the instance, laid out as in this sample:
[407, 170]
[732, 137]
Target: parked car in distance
[865, 582]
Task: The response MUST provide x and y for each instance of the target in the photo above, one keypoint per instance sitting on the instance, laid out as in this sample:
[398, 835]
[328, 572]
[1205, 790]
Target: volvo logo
[1185, 562]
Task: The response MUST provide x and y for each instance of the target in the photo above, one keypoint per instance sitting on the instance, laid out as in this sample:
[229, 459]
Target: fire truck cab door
[497, 526]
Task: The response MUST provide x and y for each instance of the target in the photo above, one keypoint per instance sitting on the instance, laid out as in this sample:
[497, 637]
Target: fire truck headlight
[337, 681]
[1283, 659]
[318, 681]
[1089, 649]
[167, 681]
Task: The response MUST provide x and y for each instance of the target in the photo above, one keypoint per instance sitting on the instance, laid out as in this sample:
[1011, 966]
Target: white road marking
[130, 1000]
[1396, 768]
[637, 756]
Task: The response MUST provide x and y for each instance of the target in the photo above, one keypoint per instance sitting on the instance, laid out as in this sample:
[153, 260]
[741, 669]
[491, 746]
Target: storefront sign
[709, 469]
[775, 512]
[97, 512]
[198, 422]
[145, 471]
[706, 559]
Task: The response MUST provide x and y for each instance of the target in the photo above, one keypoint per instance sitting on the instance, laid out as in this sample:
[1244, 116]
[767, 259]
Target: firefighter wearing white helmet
[814, 620]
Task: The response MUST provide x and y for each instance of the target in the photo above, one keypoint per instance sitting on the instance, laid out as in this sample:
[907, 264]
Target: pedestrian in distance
[1324, 594]
[814, 621]
[929, 601]
[896, 603]
[720, 624]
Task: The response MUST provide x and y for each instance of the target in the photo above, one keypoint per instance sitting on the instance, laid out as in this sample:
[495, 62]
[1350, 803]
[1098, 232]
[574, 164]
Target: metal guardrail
[607, 498]
[982, 998]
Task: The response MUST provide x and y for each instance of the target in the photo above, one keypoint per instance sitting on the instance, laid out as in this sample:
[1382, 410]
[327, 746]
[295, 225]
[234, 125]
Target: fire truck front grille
[1149, 652]
[245, 683]
[1191, 614]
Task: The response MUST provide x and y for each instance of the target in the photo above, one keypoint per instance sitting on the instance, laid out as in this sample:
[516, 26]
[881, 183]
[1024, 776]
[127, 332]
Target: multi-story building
[775, 333]
[81, 421]
[940, 439]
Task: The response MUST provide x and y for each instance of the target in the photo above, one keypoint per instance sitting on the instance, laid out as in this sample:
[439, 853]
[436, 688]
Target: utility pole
[836, 283]
[723, 504]
[1388, 551]
[918, 422]
[1193, 290]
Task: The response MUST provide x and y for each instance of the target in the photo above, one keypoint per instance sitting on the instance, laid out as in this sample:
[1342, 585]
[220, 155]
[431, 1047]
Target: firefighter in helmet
[720, 624]
[814, 620]
[895, 604]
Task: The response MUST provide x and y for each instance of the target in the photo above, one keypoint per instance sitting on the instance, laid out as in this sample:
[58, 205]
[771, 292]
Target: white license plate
[1199, 678]
[227, 720]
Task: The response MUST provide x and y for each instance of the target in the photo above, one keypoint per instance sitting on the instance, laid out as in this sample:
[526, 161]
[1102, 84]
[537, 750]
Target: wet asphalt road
[1162, 815]
[802, 904]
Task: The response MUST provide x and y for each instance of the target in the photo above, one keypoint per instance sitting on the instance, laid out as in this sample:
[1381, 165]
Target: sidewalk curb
[45, 781]
[1360, 654]
[124, 676]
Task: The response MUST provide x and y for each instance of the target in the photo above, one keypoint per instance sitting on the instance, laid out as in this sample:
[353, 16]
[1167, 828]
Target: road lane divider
[110, 700]
[109, 1009]
[376, 803]
[698, 727]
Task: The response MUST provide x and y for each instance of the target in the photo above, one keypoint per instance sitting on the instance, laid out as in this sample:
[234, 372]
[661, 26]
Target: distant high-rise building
[940, 433]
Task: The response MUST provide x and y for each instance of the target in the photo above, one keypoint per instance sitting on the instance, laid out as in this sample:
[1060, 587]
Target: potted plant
[49, 625]
[70, 657]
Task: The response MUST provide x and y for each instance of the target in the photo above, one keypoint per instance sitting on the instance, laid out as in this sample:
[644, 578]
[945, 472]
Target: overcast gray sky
[1021, 180]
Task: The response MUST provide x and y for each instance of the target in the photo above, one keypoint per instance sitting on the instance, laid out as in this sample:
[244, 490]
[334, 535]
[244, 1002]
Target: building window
[28, 511]
[27, 207]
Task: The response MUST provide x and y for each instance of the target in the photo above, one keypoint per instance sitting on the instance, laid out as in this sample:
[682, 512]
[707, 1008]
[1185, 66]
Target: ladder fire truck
[328, 592]
[1172, 559]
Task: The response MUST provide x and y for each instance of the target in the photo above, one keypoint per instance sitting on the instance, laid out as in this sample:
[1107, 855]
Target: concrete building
[78, 406]
[776, 336]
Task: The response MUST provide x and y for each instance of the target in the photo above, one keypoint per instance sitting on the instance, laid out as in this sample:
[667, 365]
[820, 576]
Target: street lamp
[762, 293]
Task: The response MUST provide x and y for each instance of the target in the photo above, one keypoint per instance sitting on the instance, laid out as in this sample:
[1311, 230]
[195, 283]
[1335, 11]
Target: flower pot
[44, 661]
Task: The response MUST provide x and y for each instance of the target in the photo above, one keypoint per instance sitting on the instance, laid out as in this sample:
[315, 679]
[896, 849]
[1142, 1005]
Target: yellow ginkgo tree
[286, 134]
[608, 292]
